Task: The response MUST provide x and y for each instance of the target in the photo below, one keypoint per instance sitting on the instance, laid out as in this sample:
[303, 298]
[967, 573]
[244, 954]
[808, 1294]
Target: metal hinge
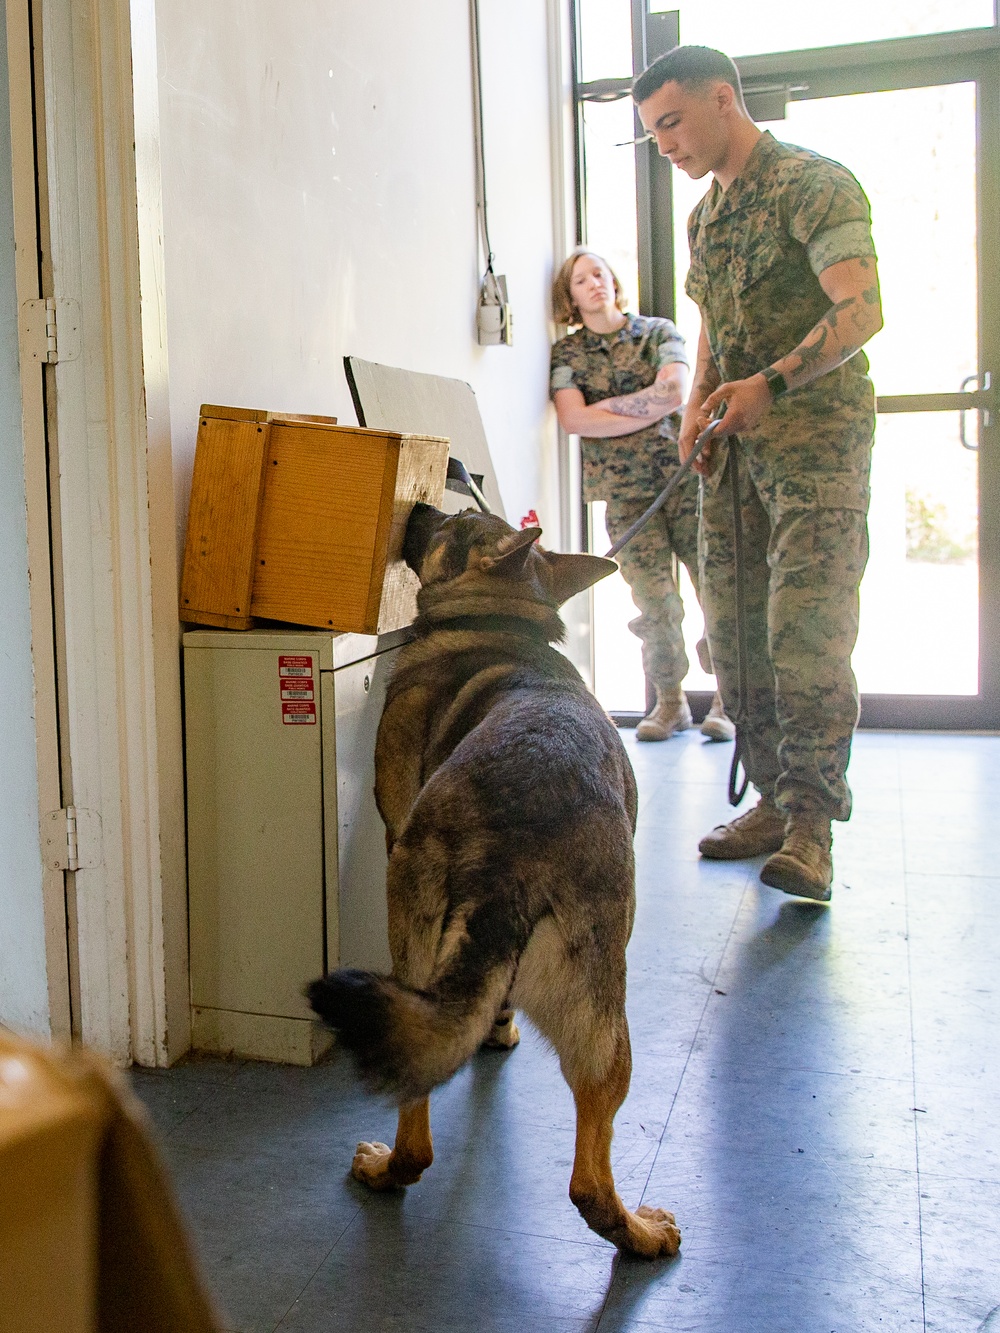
[71, 839]
[49, 330]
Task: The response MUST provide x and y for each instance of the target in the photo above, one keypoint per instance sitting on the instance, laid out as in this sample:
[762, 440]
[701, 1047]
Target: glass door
[916, 121]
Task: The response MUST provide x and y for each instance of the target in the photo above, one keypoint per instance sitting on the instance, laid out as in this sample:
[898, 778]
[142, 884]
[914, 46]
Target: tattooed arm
[854, 316]
[626, 414]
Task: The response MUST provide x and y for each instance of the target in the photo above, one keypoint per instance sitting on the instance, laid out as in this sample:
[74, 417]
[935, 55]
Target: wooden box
[300, 520]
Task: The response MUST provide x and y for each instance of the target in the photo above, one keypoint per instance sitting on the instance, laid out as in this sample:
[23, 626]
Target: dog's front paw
[371, 1166]
[656, 1234]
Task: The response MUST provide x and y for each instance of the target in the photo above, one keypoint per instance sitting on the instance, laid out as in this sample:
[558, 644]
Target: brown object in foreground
[300, 520]
[90, 1238]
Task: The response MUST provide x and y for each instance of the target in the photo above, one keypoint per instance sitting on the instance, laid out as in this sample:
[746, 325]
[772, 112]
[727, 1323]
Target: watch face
[775, 382]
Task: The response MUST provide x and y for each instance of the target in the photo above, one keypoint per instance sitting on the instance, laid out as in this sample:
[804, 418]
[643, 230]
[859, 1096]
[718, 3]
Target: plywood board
[388, 398]
[322, 483]
[420, 475]
[223, 520]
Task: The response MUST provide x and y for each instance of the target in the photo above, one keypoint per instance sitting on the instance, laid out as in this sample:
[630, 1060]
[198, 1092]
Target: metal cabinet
[286, 850]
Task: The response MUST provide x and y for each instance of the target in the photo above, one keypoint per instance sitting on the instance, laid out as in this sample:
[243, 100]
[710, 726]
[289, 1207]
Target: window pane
[605, 39]
[914, 151]
[788, 25]
[610, 177]
[920, 594]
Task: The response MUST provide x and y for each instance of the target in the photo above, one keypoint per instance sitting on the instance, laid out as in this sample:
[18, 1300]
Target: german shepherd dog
[509, 804]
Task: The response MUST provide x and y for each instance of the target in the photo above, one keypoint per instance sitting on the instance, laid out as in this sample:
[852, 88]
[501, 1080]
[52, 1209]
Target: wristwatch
[775, 382]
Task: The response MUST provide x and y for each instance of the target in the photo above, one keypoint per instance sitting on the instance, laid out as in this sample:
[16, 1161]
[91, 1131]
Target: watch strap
[776, 382]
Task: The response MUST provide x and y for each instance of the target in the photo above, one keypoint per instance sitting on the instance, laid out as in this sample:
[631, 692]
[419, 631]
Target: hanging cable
[494, 321]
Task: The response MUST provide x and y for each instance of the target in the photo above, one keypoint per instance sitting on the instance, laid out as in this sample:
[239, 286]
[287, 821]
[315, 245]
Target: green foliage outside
[932, 536]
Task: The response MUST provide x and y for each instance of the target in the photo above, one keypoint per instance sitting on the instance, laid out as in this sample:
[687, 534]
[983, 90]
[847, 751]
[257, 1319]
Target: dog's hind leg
[383, 1168]
[574, 992]
[648, 1232]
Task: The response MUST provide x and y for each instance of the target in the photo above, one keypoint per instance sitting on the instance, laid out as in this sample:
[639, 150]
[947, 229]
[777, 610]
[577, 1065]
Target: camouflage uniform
[629, 472]
[756, 249]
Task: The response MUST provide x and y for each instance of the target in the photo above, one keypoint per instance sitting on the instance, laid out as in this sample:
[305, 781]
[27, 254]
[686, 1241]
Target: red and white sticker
[297, 687]
[294, 713]
[294, 666]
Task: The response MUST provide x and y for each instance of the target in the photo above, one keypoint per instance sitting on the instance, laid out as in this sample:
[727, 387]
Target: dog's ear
[421, 526]
[570, 574]
[512, 551]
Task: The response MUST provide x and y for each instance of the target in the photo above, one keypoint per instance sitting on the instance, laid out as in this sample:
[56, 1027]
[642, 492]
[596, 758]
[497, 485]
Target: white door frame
[26, 279]
[109, 439]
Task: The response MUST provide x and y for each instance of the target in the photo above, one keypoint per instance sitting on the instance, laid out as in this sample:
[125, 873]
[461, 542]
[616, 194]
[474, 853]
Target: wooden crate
[297, 519]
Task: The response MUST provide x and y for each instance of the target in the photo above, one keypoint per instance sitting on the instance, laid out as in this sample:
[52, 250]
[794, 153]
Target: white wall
[24, 1000]
[318, 186]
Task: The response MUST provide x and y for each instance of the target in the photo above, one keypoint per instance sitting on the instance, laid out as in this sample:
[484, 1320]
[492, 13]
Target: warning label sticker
[294, 666]
[297, 687]
[298, 714]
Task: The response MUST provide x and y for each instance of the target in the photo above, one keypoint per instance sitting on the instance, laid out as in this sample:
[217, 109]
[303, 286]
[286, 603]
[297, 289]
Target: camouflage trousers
[805, 546]
[647, 567]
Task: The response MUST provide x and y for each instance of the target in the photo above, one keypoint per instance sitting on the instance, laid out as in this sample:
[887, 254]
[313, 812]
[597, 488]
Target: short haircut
[688, 65]
[564, 309]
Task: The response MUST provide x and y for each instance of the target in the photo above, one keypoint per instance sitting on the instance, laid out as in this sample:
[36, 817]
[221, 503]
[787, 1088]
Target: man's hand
[705, 461]
[746, 403]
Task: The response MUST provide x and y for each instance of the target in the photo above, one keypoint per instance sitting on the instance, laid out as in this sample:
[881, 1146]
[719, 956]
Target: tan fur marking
[648, 1232]
[557, 995]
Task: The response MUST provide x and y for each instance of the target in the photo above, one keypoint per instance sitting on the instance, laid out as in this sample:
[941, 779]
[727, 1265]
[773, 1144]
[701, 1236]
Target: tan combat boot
[670, 713]
[717, 726]
[760, 830]
[803, 865]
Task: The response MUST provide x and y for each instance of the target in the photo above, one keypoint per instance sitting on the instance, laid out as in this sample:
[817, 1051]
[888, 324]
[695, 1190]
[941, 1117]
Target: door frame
[905, 62]
[27, 281]
[113, 522]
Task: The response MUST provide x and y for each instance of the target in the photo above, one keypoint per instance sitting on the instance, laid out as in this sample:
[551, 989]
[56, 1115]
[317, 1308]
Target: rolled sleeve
[671, 351]
[831, 217]
[851, 240]
[561, 378]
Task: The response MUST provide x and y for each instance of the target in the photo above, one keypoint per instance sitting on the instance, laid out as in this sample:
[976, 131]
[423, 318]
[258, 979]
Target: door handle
[969, 379]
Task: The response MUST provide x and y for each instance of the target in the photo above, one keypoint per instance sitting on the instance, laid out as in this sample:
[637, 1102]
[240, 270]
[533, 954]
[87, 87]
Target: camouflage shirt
[756, 251]
[607, 365]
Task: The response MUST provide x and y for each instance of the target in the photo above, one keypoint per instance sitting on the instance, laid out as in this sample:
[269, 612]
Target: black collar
[489, 624]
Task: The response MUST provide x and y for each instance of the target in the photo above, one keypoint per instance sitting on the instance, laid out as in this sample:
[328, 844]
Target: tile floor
[814, 1095]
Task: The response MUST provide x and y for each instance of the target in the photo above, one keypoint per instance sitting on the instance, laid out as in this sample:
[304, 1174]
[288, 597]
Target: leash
[739, 716]
[667, 491]
[737, 788]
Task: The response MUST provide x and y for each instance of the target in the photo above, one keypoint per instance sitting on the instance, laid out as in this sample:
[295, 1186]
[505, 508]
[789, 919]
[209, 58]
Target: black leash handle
[737, 789]
[667, 491]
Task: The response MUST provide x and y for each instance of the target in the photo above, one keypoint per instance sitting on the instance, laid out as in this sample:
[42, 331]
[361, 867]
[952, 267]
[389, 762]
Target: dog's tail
[406, 1042]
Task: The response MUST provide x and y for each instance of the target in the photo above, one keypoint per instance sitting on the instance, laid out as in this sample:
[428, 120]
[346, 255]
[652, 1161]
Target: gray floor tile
[390, 1271]
[799, 1213]
[958, 1133]
[961, 1235]
[707, 1296]
[958, 1316]
[260, 1227]
[832, 1117]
